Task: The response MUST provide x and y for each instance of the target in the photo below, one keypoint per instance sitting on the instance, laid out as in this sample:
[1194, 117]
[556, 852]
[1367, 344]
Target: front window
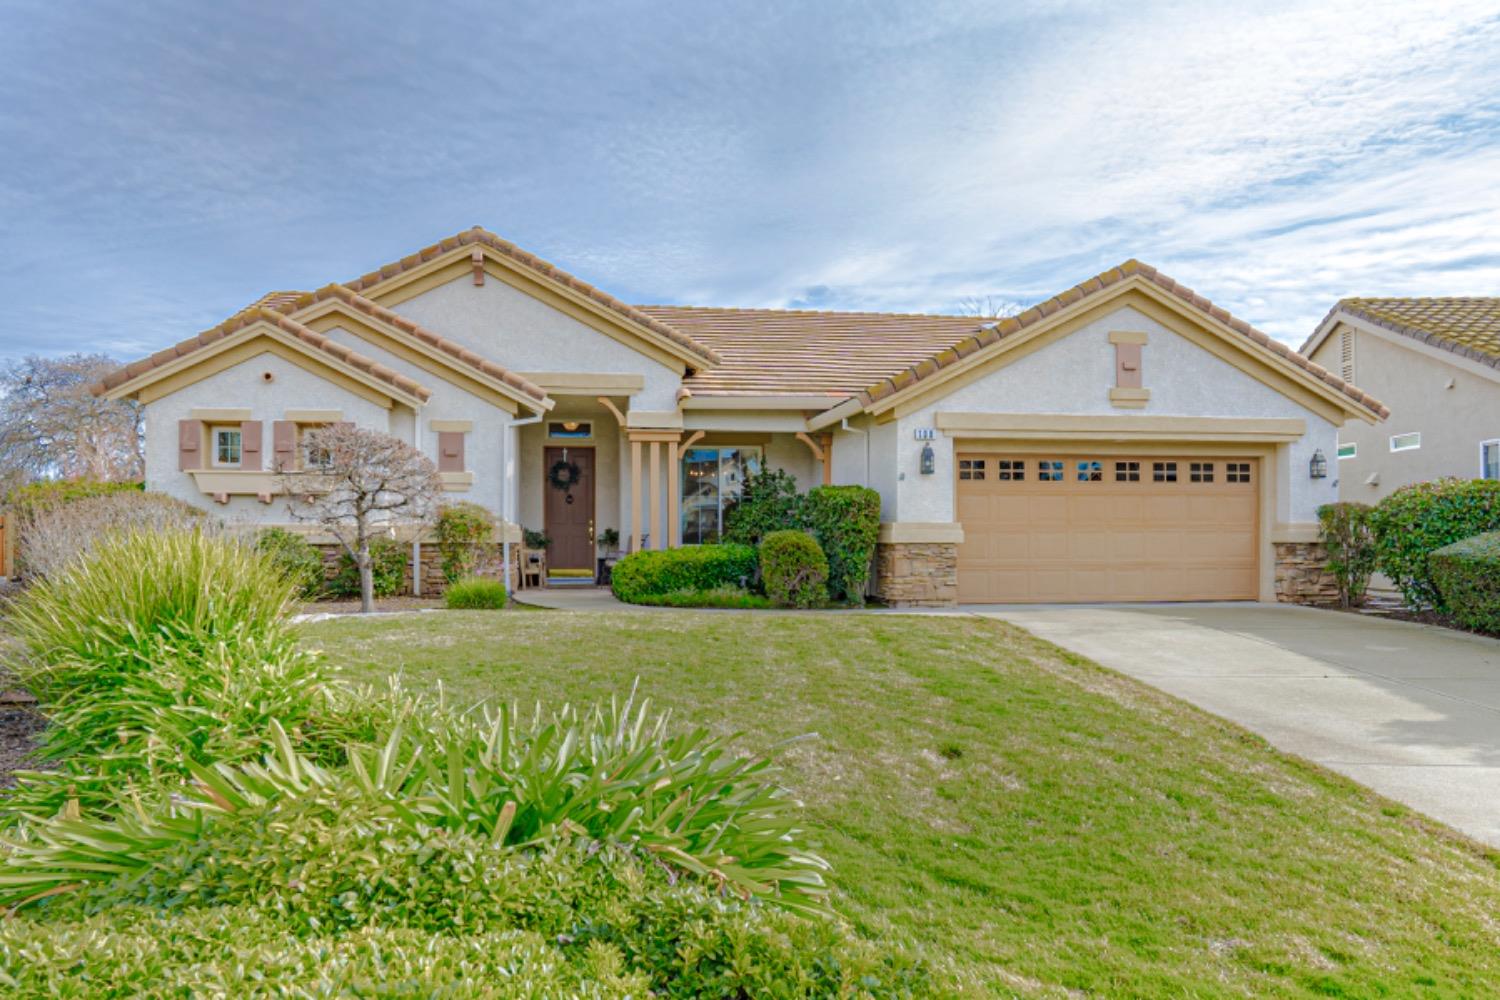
[1406, 442]
[1489, 460]
[1349, 450]
[712, 478]
[227, 446]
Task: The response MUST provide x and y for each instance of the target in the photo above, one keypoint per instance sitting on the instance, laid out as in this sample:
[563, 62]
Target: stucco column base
[1302, 575]
[917, 574]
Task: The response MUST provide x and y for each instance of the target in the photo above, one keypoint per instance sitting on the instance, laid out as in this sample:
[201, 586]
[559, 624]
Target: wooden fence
[7, 547]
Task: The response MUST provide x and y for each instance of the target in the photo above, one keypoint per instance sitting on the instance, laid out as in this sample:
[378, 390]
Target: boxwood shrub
[656, 573]
[794, 570]
[1417, 520]
[846, 522]
[1467, 575]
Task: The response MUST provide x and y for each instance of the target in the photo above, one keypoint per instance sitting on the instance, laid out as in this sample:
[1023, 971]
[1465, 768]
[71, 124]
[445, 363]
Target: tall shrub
[1467, 574]
[1351, 548]
[461, 529]
[768, 502]
[846, 522]
[387, 570]
[297, 558]
[794, 570]
[1416, 520]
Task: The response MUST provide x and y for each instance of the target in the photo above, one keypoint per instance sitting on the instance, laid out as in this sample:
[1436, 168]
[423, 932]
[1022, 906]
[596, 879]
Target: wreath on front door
[564, 475]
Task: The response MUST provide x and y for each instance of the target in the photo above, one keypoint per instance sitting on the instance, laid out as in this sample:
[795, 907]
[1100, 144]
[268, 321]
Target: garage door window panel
[1164, 472]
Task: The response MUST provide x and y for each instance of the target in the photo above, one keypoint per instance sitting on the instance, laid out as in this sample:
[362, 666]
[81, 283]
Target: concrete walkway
[574, 599]
[1411, 711]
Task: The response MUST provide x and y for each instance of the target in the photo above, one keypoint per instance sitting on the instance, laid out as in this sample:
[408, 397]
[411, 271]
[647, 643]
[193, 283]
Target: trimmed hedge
[1417, 520]
[25, 501]
[387, 565]
[846, 522]
[794, 570]
[1467, 575]
[656, 573]
[475, 593]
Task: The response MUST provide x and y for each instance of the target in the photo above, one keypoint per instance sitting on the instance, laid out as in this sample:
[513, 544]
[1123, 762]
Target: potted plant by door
[609, 554]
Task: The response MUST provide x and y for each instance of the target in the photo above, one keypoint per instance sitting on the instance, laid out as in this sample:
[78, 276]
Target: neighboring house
[1126, 440]
[1436, 364]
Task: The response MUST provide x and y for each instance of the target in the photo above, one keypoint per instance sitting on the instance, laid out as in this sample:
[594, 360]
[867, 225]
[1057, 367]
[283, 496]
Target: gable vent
[1346, 355]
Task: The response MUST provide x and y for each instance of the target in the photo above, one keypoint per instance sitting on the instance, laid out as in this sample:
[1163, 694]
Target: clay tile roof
[453, 350]
[768, 352]
[1468, 326]
[891, 384]
[260, 313]
[480, 236]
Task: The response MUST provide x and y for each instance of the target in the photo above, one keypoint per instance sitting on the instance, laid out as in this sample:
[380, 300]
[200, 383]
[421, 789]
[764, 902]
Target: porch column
[658, 541]
[827, 459]
[674, 495]
[635, 493]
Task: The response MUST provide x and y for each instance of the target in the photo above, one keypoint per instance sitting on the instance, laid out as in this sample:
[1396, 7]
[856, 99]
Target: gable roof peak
[1465, 325]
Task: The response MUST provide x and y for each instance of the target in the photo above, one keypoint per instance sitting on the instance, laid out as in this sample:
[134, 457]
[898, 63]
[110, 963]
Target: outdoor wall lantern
[1318, 467]
[929, 460]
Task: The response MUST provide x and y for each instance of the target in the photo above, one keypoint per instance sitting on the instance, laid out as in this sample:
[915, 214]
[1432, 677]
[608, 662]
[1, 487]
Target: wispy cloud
[167, 164]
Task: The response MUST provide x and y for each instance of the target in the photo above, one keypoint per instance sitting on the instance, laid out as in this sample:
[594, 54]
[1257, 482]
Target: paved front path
[1409, 710]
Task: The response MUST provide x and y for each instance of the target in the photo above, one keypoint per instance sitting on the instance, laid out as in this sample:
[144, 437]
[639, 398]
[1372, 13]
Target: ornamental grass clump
[475, 593]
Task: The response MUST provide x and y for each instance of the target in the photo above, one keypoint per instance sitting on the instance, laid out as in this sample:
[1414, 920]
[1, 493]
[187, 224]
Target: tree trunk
[366, 578]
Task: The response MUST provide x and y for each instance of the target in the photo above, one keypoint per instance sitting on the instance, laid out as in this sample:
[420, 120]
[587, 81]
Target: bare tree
[53, 426]
[987, 307]
[358, 483]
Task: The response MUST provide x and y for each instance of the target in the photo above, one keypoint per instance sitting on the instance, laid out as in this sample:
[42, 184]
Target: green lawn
[1030, 822]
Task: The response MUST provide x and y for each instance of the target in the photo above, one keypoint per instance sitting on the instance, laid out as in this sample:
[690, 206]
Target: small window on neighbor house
[1127, 472]
[1049, 471]
[1091, 472]
[570, 429]
[1406, 442]
[227, 446]
[971, 468]
[1200, 472]
[1349, 450]
[1489, 460]
[1010, 469]
[1164, 472]
[1237, 472]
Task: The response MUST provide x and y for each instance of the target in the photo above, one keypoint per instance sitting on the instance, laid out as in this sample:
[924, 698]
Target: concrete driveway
[1408, 710]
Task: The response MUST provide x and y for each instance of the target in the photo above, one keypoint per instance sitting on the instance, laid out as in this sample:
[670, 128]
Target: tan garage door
[1085, 527]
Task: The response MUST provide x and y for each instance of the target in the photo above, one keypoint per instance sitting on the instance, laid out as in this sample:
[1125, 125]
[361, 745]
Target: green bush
[26, 501]
[846, 522]
[461, 529]
[1467, 575]
[1417, 520]
[475, 593]
[388, 559]
[294, 556]
[719, 597]
[1351, 548]
[768, 502]
[155, 647]
[794, 570]
[658, 572]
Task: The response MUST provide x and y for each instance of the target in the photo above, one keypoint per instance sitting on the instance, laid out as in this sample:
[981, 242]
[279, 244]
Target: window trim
[1483, 445]
[1353, 447]
[214, 431]
[1406, 447]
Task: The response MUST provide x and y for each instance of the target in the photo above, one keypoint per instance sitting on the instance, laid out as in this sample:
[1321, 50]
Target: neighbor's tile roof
[254, 314]
[786, 352]
[479, 235]
[1468, 326]
[1010, 326]
[452, 349]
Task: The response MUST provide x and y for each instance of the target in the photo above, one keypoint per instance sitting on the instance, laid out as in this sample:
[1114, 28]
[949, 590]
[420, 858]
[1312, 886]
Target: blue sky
[164, 163]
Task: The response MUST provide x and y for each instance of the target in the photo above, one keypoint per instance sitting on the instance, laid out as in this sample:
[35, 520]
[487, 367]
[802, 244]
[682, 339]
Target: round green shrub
[296, 557]
[387, 566]
[461, 529]
[656, 573]
[475, 593]
[1467, 575]
[794, 570]
[1417, 520]
[846, 522]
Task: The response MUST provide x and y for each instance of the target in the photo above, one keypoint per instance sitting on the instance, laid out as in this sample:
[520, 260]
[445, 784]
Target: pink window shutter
[250, 453]
[450, 451]
[189, 445]
[284, 444]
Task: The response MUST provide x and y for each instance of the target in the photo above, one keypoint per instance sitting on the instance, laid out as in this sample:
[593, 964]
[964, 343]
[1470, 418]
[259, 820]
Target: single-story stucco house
[1125, 440]
[1436, 363]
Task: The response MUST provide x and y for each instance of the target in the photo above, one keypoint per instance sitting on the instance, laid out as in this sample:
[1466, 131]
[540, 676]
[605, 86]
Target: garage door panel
[1111, 539]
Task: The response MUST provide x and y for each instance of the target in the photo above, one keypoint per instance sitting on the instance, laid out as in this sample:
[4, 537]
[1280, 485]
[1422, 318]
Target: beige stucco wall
[1074, 376]
[244, 386]
[1414, 381]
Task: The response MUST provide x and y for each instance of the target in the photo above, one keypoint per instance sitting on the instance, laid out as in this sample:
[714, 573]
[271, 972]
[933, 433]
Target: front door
[569, 511]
